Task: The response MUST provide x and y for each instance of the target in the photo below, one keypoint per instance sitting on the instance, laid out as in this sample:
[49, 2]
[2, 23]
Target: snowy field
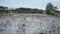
[29, 24]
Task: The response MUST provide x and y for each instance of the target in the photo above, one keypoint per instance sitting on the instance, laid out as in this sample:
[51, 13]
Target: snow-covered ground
[29, 24]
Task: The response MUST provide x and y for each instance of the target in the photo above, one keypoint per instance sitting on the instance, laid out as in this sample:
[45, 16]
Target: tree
[50, 8]
[3, 9]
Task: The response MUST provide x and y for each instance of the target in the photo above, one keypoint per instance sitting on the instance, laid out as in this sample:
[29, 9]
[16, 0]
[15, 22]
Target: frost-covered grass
[29, 24]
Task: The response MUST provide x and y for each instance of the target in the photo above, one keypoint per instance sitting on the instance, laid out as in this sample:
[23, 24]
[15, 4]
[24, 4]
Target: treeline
[19, 10]
[27, 10]
[50, 9]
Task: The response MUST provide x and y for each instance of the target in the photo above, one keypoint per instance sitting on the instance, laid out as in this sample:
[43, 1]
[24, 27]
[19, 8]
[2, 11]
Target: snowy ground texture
[29, 24]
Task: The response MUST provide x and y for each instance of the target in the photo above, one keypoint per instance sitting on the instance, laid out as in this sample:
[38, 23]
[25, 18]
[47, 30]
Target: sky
[40, 4]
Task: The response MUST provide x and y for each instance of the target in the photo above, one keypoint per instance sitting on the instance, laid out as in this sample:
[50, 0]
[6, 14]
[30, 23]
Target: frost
[29, 24]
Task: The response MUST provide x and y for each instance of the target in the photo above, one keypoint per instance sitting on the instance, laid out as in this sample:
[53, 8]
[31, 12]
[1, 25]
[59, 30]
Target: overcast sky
[41, 4]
